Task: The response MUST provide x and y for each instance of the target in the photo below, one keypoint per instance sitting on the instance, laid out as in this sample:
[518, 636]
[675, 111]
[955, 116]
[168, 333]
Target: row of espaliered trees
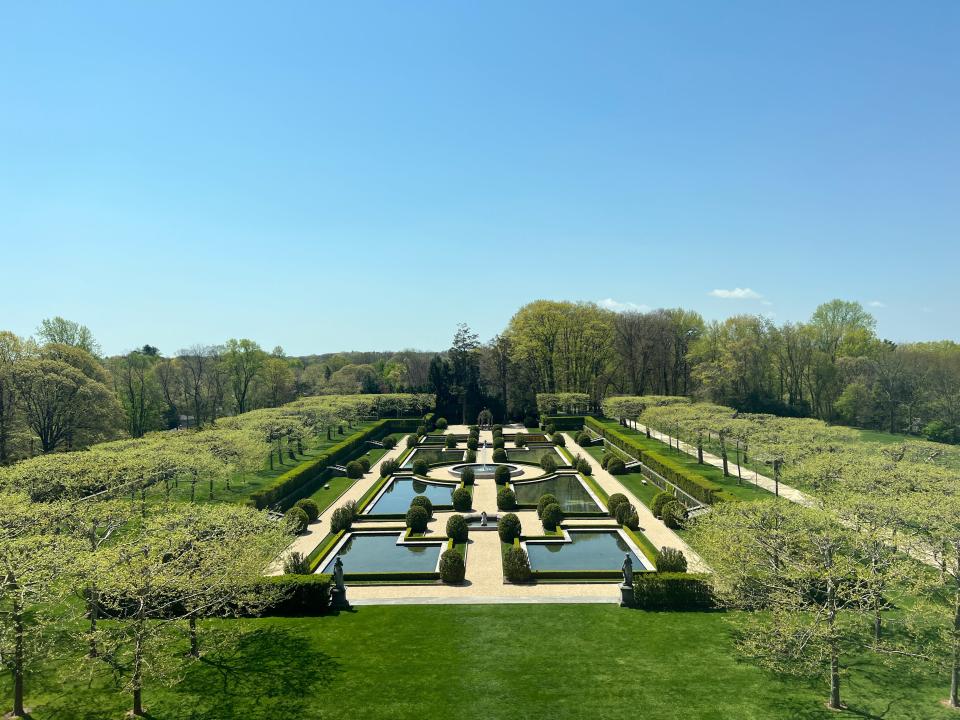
[884, 523]
[156, 573]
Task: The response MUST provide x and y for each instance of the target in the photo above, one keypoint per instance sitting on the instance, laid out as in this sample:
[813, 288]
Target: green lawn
[490, 662]
[744, 491]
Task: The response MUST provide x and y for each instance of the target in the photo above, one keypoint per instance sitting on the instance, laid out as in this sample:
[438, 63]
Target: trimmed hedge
[563, 422]
[310, 507]
[462, 500]
[516, 565]
[417, 518]
[506, 499]
[704, 490]
[501, 475]
[551, 517]
[508, 527]
[302, 595]
[296, 478]
[457, 529]
[672, 591]
[452, 567]
[298, 519]
[545, 499]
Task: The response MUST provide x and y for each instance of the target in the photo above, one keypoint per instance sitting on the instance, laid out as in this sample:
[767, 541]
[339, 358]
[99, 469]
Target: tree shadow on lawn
[269, 672]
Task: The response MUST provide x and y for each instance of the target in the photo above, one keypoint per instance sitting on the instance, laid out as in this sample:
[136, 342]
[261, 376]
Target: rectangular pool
[568, 489]
[396, 498]
[379, 553]
[587, 550]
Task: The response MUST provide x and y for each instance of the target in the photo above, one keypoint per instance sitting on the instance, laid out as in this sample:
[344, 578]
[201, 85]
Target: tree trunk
[835, 703]
[137, 681]
[18, 653]
[94, 608]
[194, 642]
[955, 671]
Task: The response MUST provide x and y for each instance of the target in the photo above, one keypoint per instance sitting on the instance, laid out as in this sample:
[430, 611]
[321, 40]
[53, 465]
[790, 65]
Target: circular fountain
[485, 470]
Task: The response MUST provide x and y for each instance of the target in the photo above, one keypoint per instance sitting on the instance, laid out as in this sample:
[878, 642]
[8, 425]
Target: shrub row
[704, 490]
[672, 591]
[564, 422]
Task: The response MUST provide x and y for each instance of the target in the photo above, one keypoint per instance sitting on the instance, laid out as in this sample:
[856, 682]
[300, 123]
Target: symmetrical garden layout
[530, 517]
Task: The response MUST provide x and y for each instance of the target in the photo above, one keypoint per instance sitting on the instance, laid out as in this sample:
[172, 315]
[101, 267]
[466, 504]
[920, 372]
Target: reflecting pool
[371, 553]
[395, 500]
[588, 550]
[568, 489]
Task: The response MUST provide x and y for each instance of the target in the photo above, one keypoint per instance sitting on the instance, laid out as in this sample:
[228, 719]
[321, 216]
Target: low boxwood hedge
[300, 595]
[672, 591]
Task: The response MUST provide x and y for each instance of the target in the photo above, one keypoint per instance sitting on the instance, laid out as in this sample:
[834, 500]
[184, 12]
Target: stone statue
[483, 518]
[338, 574]
[627, 568]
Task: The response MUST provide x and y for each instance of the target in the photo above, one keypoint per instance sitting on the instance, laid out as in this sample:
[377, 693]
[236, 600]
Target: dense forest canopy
[57, 392]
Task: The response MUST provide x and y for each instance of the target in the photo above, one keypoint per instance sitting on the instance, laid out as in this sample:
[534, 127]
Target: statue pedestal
[626, 595]
[338, 599]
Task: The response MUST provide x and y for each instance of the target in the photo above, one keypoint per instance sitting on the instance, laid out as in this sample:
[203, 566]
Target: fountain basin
[485, 470]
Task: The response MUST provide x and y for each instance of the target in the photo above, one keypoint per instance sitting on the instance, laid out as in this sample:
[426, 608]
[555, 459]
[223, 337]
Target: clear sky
[334, 176]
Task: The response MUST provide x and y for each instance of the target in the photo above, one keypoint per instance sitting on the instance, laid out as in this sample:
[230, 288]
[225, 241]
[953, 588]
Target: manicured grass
[492, 662]
[325, 497]
[743, 491]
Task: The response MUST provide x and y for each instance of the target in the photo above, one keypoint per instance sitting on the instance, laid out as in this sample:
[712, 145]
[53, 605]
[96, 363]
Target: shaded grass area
[742, 491]
[398, 661]
[634, 482]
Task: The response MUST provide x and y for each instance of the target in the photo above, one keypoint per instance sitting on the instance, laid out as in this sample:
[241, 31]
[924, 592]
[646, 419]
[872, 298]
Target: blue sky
[366, 175]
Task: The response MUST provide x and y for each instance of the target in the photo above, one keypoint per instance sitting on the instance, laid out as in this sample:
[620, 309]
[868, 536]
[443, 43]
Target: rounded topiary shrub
[623, 512]
[605, 460]
[548, 463]
[500, 455]
[411, 440]
[633, 521]
[583, 438]
[671, 560]
[450, 441]
[615, 500]
[531, 421]
[420, 467]
[421, 430]
[659, 500]
[551, 429]
[440, 424]
[472, 443]
[457, 529]
[501, 474]
[545, 499]
[470, 456]
[497, 429]
[674, 514]
[508, 527]
[551, 517]
[559, 440]
[354, 470]
[342, 517]
[452, 567]
[297, 519]
[389, 443]
[388, 467]
[520, 440]
[506, 499]
[417, 518]
[462, 500]
[616, 467]
[468, 476]
[516, 565]
[424, 502]
[498, 442]
[583, 466]
[364, 463]
[310, 507]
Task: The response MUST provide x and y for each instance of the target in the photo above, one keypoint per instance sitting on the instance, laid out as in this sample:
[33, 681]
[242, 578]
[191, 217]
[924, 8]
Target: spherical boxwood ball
[552, 515]
[451, 441]
[471, 456]
[615, 500]
[501, 474]
[457, 529]
[508, 527]
[674, 514]
[506, 499]
[462, 500]
[468, 476]
[548, 463]
[498, 442]
[624, 512]
[420, 467]
[583, 438]
[298, 519]
[616, 467]
[417, 518]
[659, 500]
[441, 424]
[389, 443]
[472, 443]
[310, 507]
[500, 455]
[516, 565]
[424, 502]
[545, 499]
[388, 467]
[354, 470]
[559, 440]
[452, 567]
[411, 441]
[364, 463]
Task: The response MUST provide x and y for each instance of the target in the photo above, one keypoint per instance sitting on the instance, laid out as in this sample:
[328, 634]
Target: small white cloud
[737, 294]
[617, 306]
[877, 304]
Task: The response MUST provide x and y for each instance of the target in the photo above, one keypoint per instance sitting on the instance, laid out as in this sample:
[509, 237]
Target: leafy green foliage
[552, 516]
[457, 529]
[420, 466]
[516, 565]
[424, 502]
[508, 527]
[297, 519]
[452, 567]
[462, 500]
[501, 475]
[506, 499]
[310, 507]
[545, 499]
[671, 560]
[417, 518]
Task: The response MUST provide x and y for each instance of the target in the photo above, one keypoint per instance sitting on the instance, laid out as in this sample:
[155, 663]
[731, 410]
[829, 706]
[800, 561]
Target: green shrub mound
[605, 460]
[548, 463]
[531, 421]
[659, 500]
[452, 567]
[498, 442]
[420, 467]
[424, 502]
[501, 474]
[552, 516]
[297, 519]
[296, 564]
[674, 514]
[626, 514]
[551, 429]
[615, 500]
[500, 455]
[672, 591]
[342, 518]
[468, 476]
[472, 443]
[417, 518]
[354, 470]
[508, 527]
[364, 463]
[421, 430]
[388, 467]
[506, 499]
[545, 499]
[616, 466]
[583, 466]
[471, 456]
[310, 507]
[450, 442]
[412, 441]
[440, 424]
[559, 440]
[520, 440]
[583, 438]
[457, 529]
[516, 565]
[671, 560]
[462, 500]
[497, 430]
[389, 443]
